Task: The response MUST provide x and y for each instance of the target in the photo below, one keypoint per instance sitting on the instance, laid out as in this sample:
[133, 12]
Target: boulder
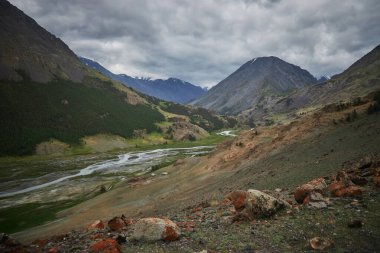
[318, 243]
[339, 189]
[253, 203]
[315, 185]
[105, 246]
[237, 199]
[316, 200]
[155, 229]
[116, 224]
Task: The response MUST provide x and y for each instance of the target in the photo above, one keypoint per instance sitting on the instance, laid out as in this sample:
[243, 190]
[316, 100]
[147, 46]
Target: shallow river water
[123, 164]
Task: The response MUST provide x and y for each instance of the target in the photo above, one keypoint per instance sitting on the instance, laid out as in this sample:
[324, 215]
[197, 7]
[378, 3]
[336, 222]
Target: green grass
[25, 216]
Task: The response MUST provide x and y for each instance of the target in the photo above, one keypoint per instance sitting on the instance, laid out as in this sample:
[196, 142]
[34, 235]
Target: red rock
[53, 250]
[105, 246]
[316, 185]
[350, 191]
[336, 186]
[319, 243]
[98, 224]
[237, 198]
[116, 224]
[376, 180]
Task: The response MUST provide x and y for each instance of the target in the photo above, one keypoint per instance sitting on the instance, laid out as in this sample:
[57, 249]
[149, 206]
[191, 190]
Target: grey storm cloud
[203, 41]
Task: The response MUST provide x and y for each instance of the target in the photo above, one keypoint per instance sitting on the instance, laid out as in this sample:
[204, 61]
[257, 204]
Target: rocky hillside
[259, 81]
[172, 89]
[360, 79]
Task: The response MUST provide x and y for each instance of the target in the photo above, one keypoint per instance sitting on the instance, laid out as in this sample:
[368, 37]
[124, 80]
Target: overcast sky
[203, 41]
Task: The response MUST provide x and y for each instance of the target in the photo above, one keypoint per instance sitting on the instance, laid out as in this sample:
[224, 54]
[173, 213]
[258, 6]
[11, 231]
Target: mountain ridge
[256, 80]
[171, 89]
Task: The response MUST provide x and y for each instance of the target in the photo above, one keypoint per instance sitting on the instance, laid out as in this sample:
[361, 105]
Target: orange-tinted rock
[237, 198]
[376, 180]
[350, 191]
[336, 186]
[53, 250]
[316, 185]
[116, 224]
[98, 224]
[105, 246]
[319, 243]
[154, 229]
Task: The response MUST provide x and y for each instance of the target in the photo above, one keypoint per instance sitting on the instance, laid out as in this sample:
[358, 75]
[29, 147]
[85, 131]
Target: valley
[54, 182]
[269, 159]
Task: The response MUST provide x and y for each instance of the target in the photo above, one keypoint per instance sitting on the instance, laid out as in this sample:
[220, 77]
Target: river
[126, 163]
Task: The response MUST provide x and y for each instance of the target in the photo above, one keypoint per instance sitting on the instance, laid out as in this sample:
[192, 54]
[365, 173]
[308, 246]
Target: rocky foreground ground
[337, 213]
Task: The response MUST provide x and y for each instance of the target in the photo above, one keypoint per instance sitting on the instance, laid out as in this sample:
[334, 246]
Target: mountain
[28, 49]
[360, 79]
[259, 81]
[47, 93]
[171, 89]
[323, 79]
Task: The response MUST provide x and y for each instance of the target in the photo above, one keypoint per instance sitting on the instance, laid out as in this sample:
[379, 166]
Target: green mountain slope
[34, 112]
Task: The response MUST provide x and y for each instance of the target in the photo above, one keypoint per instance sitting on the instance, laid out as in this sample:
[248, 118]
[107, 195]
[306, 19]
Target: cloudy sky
[203, 41]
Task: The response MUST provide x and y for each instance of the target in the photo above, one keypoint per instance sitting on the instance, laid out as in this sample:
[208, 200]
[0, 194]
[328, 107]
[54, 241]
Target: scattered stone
[315, 185]
[319, 243]
[105, 246]
[355, 224]
[98, 224]
[154, 229]
[116, 224]
[253, 203]
[316, 200]
[338, 189]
